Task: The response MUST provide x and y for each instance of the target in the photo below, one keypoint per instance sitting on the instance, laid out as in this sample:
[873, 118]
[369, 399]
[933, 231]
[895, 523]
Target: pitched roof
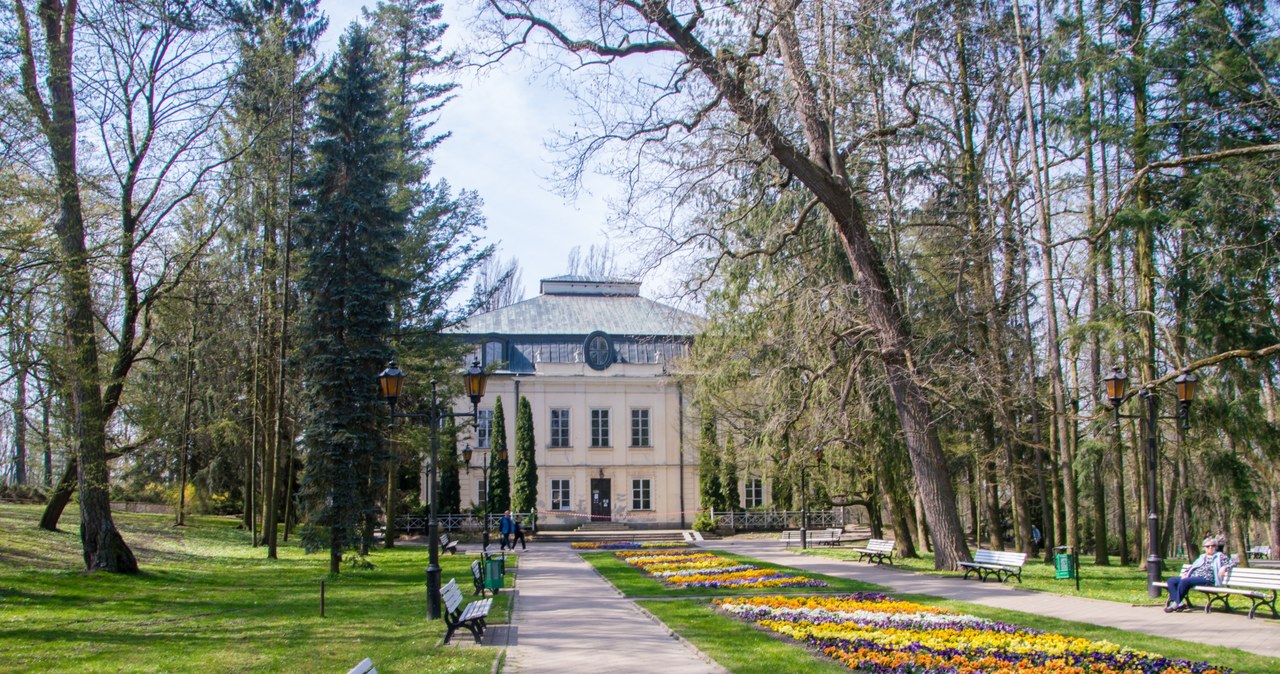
[580, 306]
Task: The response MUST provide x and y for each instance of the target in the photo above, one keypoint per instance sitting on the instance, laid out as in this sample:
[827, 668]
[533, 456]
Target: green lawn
[207, 601]
[1127, 584]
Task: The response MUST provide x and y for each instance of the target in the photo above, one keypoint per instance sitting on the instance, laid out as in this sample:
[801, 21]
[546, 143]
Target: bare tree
[497, 284]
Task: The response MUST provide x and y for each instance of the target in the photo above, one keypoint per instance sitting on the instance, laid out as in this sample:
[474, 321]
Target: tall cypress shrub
[524, 496]
[349, 235]
[499, 477]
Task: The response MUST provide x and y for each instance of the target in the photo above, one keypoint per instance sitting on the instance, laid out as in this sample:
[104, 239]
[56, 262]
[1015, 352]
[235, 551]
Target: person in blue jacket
[506, 527]
[1210, 568]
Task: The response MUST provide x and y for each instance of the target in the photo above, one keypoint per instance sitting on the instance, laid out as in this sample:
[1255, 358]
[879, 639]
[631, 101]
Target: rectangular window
[600, 428]
[482, 491]
[559, 428]
[641, 495]
[755, 492]
[559, 494]
[640, 428]
[484, 428]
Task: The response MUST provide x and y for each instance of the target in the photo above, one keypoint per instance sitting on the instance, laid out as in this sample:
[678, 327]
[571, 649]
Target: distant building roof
[577, 305]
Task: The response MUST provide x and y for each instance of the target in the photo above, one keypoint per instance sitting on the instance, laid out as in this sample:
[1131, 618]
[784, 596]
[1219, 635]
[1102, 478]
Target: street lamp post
[1185, 385]
[804, 494]
[494, 455]
[391, 383]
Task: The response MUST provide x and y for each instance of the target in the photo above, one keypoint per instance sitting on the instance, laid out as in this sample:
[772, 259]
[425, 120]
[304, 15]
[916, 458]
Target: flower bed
[871, 632]
[705, 569]
[625, 545]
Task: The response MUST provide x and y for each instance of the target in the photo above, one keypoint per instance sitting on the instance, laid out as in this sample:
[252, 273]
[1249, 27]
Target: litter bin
[495, 567]
[1063, 563]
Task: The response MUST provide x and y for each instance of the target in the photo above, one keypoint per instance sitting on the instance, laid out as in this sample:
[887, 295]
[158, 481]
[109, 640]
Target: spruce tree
[499, 481]
[349, 235]
[524, 496]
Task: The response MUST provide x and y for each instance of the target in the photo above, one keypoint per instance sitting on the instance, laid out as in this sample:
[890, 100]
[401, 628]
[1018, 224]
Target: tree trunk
[60, 497]
[104, 549]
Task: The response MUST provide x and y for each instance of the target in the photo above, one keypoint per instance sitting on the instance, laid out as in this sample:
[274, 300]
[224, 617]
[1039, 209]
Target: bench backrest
[444, 539]
[998, 557]
[476, 568]
[451, 595]
[835, 532]
[877, 545]
[791, 534]
[1262, 579]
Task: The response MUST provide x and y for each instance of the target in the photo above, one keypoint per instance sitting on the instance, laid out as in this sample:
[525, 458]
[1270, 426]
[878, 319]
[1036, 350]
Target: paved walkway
[1260, 635]
[569, 619]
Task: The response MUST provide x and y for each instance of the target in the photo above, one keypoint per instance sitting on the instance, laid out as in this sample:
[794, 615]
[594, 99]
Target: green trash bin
[495, 568]
[1063, 563]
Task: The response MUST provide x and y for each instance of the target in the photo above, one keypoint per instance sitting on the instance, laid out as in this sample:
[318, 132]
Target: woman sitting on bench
[1210, 568]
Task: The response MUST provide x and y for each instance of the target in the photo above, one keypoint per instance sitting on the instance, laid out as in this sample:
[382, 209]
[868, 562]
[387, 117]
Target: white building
[612, 432]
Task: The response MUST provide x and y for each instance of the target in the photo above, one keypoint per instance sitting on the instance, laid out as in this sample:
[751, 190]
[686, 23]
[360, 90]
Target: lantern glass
[1186, 385]
[474, 381]
[1116, 385]
[391, 381]
[817, 453]
[466, 455]
[500, 455]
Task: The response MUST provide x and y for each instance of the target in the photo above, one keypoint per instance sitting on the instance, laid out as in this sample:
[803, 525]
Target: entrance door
[600, 510]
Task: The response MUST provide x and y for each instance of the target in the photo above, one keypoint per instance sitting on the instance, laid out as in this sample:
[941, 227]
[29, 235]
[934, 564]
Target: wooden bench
[365, 666]
[472, 616]
[1259, 586]
[876, 552]
[1002, 565]
[1260, 552]
[477, 577]
[448, 545]
[812, 536]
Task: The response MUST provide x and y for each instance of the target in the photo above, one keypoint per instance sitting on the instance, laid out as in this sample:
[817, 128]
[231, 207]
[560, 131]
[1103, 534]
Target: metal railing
[753, 520]
[455, 522]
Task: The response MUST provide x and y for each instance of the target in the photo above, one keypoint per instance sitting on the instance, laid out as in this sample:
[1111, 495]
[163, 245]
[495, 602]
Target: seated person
[1210, 568]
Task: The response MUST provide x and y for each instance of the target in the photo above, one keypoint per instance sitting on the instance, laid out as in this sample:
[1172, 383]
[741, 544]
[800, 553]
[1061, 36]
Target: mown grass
[1127, 584]
[633, 583]
[207, 601]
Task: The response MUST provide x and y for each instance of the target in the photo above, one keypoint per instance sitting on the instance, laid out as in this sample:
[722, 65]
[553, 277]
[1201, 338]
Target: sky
[500, 122]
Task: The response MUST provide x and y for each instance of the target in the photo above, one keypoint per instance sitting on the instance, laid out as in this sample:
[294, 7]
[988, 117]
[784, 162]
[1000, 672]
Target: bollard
[322, 599]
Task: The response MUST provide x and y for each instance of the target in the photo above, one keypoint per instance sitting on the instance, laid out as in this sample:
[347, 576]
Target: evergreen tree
[712, 495]
[499, 479]
[729, 479]
[349, 237]
[524, 496]
[450, 484]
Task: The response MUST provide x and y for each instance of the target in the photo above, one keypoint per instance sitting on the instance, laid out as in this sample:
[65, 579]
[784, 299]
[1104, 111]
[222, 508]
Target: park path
[1233, 630]
[568, 619]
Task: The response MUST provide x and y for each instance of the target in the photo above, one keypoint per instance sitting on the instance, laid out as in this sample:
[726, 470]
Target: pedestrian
[506, 527]
[1210, 568]
[519, 537]
[1035, 540]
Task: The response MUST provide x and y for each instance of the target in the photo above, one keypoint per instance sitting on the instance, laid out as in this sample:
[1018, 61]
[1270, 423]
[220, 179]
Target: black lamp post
[494, 455]
[391, 383]
[804, 493]
[1185, 384]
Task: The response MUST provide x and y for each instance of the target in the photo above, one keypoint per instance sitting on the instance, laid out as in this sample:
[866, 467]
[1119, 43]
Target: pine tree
[525, 490]
[348, 239]
[729, 480]
[499, 478]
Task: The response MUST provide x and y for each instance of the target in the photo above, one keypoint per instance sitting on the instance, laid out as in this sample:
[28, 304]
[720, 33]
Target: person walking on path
[1210, 568]
[519, 536]
[506, 527]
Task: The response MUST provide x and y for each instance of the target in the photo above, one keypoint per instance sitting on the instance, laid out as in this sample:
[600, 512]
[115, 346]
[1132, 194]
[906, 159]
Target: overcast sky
[499, 123]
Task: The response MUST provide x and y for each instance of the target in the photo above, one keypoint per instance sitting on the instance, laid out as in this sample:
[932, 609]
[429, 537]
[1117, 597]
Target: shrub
[704, 523]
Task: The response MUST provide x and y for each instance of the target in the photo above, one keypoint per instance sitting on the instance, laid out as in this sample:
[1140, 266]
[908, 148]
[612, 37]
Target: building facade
[611, 425]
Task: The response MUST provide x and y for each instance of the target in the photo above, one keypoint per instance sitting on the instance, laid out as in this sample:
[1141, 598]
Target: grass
[633, 583]
[1126, 584]
[207, 601]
